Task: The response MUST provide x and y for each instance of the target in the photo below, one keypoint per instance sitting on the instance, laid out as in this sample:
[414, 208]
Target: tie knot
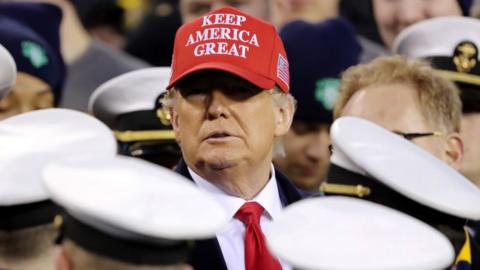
[250, 213]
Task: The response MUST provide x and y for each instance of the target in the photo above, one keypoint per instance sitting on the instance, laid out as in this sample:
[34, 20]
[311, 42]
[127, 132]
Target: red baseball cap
[229, 40]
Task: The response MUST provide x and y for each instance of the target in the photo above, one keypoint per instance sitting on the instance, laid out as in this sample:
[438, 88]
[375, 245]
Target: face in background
[313, 10]
[273, 11]
[223, 122]
[396, 107]
[28, 94]
[307, 156]
[470, 131]
[392, 16]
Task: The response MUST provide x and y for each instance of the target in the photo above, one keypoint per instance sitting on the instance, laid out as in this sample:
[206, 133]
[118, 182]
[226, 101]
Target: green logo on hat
[35, 53]
[326, 91]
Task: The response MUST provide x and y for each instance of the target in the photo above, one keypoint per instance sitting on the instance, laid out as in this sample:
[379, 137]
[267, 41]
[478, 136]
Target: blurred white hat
[347, 233]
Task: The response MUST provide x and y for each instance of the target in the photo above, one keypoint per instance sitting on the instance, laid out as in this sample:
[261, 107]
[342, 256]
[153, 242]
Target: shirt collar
[268, 197]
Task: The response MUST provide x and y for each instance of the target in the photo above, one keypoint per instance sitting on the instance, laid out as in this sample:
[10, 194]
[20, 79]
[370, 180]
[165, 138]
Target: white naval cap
[128, 200]
[450, 43]
[29, 141]
[8, 72]
[134, 91]
[347, 233]
[403, 167]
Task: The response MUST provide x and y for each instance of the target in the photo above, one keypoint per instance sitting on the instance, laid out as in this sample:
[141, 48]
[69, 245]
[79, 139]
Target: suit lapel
[287, 191]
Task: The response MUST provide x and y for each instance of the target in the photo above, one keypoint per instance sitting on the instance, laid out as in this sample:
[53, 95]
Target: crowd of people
[239, 134]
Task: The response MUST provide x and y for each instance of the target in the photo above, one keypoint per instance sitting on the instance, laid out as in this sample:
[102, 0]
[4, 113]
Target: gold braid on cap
[351, 190]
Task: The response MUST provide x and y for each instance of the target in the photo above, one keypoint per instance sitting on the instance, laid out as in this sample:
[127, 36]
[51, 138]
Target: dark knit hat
[318, 54]
[30, 32]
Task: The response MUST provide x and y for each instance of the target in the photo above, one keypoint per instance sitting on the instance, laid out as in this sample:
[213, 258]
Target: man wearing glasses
[408, 98]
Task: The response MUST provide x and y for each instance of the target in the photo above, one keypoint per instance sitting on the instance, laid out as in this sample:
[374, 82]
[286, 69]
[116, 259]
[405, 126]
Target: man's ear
[175, 125]
[454, 150]
[62, 261]
[283, 118]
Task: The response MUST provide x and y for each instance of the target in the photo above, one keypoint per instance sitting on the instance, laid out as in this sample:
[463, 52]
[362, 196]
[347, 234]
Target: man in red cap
[230, 106]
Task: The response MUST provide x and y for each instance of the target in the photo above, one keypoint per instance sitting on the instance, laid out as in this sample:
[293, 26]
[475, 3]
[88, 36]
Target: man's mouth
[218, 135]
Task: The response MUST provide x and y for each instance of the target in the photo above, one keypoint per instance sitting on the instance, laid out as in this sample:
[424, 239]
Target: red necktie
[257, 256]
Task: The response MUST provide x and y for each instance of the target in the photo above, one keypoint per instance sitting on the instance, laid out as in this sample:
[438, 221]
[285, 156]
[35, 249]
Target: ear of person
[283, 119]
[454, 150]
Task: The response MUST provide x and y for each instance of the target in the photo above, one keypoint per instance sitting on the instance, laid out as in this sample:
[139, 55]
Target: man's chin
[309, 183]
[217, 163]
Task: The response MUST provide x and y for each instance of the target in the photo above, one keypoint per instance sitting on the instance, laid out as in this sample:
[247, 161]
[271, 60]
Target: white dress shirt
[231, 238]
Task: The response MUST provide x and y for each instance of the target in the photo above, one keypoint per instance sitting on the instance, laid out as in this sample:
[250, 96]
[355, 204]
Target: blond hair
[438, 96]
[83, 259]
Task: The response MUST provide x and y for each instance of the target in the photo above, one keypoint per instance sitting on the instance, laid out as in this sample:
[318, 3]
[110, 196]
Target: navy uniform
[451, 44]
[8, 72]
[150, 217]
[28, 142]
[338, 232]
[129, 105]
[374, 164]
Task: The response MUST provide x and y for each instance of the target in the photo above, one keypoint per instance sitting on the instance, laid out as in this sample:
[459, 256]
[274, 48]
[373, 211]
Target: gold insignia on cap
[58, 222]
[465, 56]
[164, 116]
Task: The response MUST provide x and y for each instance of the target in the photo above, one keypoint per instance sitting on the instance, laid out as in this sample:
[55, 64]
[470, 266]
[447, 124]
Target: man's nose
[217, 104]
[318, 147]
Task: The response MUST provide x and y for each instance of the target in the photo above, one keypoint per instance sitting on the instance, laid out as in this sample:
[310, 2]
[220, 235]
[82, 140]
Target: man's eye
[303, 129]
[193, 92]
[240, 92]
[300, 129]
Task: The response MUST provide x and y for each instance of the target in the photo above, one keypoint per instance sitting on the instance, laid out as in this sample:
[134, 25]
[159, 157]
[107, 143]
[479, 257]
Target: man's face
[28, 94]
[222, 122]
[395, 107]
[307, 155]
[392, 16]
[470, 130]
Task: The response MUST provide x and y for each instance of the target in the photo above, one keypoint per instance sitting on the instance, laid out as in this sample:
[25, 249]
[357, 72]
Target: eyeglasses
[408, 136]
[411, 136]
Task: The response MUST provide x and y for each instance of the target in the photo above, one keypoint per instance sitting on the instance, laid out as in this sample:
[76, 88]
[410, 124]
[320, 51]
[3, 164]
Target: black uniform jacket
[451, 226]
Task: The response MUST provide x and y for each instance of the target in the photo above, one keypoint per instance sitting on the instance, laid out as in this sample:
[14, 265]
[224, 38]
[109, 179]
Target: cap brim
[382, 238]
[405, 167]
[258, 80]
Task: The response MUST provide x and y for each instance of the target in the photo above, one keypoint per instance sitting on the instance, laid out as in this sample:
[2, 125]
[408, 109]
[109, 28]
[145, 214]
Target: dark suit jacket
[207, 254]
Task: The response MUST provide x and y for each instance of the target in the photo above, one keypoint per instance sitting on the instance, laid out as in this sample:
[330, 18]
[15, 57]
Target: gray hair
[280, 98]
